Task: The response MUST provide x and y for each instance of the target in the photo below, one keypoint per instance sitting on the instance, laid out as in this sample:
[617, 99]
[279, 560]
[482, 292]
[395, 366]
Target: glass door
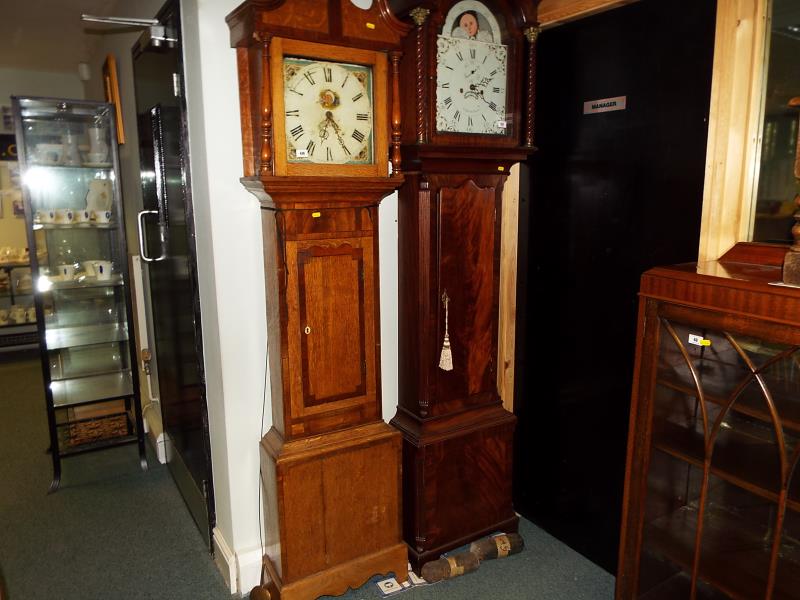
[721, 511]
[168, 248]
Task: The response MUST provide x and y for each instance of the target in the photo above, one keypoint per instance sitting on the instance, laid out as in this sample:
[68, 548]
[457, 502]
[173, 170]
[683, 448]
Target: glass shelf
[680, 586]
[737, 458]
[86, 361]
[81, 167]
[70, 337]
[84, 282]
[10, 325]
[749, 402]
[741, 557]
[90, 226]
[70, 392]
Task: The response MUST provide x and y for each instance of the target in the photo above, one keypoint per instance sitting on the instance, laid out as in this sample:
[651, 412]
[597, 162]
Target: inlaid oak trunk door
[466, 247]
[329, 331]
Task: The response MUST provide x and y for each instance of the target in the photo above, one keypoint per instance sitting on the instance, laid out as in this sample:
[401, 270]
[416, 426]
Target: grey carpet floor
[115, 532]
[111, 532]
[545, 570]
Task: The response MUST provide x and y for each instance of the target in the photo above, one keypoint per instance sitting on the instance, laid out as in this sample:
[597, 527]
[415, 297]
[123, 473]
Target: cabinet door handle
[307, 330]
[142, 251]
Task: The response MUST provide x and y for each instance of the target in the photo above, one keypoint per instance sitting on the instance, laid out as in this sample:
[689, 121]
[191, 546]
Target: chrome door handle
[142, 251]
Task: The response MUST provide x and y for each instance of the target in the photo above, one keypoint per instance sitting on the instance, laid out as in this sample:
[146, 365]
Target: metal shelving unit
[73, 211]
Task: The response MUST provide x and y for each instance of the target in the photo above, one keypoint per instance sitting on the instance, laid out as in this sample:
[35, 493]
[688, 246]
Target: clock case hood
[421, 142]
[334, 22]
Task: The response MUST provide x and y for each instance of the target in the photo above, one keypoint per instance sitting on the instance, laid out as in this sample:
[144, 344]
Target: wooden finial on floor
[449, 567]
[498, 546]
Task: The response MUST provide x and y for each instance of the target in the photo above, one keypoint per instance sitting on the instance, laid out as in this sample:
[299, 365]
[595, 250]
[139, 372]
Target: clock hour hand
[323, 129]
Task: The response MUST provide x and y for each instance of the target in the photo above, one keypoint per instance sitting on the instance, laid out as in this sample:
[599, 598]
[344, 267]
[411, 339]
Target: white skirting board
[159, 443]
[242, 571]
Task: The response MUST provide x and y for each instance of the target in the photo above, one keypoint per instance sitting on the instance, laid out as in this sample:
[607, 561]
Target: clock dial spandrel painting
[328, 112]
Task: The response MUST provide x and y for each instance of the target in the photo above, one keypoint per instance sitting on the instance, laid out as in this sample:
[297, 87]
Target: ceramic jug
[99, 195]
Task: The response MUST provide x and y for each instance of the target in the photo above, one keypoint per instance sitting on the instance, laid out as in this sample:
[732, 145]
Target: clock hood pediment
[325, 21]
[517, 14]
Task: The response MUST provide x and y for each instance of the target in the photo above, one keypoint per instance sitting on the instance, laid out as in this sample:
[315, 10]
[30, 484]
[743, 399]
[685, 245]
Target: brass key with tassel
[446, 358]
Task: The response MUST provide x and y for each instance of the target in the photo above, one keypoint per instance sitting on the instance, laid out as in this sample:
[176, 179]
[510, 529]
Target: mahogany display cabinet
[712, 497]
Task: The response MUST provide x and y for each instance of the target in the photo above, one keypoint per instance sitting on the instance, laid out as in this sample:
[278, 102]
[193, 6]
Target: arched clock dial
[329, 112]
[471, 80]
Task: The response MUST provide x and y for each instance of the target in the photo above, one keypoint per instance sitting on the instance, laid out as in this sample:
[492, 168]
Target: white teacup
[96, 158]
[65, 215]
[25, 283]
[66, 272]
[102, 269]
[3, 316]
[46, 216]
[82, 216]
[49, 154]
[30, 314]
[88, 268]
[17, 314]
[101, 216]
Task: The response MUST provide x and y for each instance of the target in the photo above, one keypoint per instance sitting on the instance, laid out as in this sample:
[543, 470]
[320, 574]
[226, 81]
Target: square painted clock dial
[329, 112]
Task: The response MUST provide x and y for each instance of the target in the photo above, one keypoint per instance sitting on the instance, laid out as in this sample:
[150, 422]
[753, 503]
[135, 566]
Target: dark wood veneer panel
[466, 259]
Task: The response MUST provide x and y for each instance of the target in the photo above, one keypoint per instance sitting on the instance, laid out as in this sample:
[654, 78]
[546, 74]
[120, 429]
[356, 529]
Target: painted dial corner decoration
[329, 112]
[471, 72]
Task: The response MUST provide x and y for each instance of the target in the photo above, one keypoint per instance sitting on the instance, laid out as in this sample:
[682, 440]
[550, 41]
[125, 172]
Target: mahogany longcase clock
[470, 117]
[319, 91]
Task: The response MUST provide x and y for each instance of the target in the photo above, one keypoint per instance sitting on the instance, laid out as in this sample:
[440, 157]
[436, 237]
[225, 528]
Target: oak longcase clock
[319, 92]
[471, 118]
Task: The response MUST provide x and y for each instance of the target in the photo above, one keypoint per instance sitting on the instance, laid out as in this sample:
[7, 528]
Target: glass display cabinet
[17, 313]
[712, 495]
[79, 271]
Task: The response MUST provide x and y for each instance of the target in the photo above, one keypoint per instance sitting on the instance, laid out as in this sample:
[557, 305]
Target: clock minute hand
[336, 130]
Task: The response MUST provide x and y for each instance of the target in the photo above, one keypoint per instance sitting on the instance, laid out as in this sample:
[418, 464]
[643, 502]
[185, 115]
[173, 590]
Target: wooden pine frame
[380, 121]
[558, 12]
[735, 125]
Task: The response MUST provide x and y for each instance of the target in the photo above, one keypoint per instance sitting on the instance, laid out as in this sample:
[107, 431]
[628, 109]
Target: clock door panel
[467, 271]
[331, 332]
[331, 298]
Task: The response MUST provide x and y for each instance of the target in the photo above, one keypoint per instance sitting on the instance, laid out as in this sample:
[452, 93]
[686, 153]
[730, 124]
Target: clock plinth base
[335, 581]
[456, 479]
[332, 510]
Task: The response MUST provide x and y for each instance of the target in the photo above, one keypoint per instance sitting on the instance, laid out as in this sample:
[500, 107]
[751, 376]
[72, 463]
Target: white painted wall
[232, 286]
[18, 82]
[230, 265]
[227, 222]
